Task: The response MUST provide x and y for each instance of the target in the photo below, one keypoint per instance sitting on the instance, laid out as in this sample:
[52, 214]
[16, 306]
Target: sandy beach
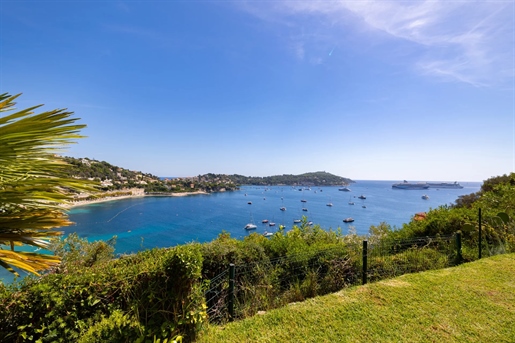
[136, 193]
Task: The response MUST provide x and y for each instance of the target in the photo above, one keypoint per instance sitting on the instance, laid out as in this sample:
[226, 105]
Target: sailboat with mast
[297, 221]
[250, 225]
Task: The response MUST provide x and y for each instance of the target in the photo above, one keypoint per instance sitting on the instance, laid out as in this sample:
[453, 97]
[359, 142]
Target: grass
[474, 302]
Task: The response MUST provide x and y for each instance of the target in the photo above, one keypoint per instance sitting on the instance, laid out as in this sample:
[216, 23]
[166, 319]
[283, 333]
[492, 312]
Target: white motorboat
[250, 226]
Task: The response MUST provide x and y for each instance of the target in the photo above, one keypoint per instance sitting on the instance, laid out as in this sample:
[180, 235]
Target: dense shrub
[158, 291]
[409, 261]
[117, 328]
[288, 266]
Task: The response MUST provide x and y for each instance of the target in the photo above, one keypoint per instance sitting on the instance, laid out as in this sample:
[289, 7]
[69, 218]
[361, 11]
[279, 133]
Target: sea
[163, 221]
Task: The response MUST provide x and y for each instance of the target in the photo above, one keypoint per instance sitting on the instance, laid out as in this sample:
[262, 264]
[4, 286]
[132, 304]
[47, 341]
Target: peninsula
[119, 183]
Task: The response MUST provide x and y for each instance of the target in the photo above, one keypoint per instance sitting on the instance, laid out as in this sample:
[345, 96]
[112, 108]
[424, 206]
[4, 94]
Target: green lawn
[474, 302]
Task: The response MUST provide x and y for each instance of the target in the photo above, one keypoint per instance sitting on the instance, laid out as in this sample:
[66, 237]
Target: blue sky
[387, 90]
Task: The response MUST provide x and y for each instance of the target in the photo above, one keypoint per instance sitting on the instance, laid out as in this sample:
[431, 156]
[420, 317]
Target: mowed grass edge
[474, 302]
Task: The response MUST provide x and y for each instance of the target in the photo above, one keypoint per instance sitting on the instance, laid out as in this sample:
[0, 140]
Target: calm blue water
[149, 222]
[144, 223]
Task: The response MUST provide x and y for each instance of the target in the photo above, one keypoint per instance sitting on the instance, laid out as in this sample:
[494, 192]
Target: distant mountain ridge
[320, 178]
[114, 178]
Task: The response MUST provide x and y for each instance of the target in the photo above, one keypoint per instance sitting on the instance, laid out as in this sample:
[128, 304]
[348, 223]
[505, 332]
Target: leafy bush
[157, 291]
[117, 328]
[412, 260]
[288, 266]
[76, 252]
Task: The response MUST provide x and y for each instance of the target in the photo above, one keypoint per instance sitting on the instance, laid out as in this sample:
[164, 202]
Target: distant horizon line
[355, 180]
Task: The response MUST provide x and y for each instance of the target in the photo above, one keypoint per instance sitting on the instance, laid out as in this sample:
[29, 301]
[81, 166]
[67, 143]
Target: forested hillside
[320, 178]
[114, 178]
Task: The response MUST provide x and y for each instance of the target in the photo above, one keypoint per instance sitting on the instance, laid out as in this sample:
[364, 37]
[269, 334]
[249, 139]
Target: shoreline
[138, 193]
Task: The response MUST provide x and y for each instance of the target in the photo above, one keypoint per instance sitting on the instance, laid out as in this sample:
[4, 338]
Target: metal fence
[244, 290]
[395, 258]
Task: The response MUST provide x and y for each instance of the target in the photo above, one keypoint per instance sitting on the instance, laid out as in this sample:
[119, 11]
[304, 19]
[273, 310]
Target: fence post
[365, 255]
[479, 225]
[231, 291]
[459, 257]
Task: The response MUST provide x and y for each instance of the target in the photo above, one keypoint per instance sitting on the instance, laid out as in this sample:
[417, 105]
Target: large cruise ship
[409, 185]
[444, 185]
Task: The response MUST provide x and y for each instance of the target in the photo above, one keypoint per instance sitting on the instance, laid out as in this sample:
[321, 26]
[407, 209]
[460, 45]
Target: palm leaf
[31, 262]
[33, 181]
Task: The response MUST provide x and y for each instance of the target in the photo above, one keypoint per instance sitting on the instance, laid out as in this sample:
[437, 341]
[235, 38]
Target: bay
[143, 223]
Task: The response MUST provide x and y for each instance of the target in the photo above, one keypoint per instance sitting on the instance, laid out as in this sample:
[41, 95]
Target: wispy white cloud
[461, 41]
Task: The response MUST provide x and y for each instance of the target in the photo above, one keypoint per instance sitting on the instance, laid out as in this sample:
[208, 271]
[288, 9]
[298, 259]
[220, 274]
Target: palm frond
[33, 180]
[31, 262]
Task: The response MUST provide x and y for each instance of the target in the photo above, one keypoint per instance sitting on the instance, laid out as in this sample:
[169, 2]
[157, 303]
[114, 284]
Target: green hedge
[288, 266]
[155, 294]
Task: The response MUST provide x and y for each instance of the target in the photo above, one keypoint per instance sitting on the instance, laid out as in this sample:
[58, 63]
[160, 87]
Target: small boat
[344, 189]
[330, 204]
[364, 206]
[362, 197]
[283, 208]
[348, 220]
[425, 197]
[303, 200]
[282, 227]
[310, 223]
[264, 221]
[305, 209]
[250, 203]
[250, 227]
[271, 224]
[296, 221]
[351, 202]
[268, 234]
